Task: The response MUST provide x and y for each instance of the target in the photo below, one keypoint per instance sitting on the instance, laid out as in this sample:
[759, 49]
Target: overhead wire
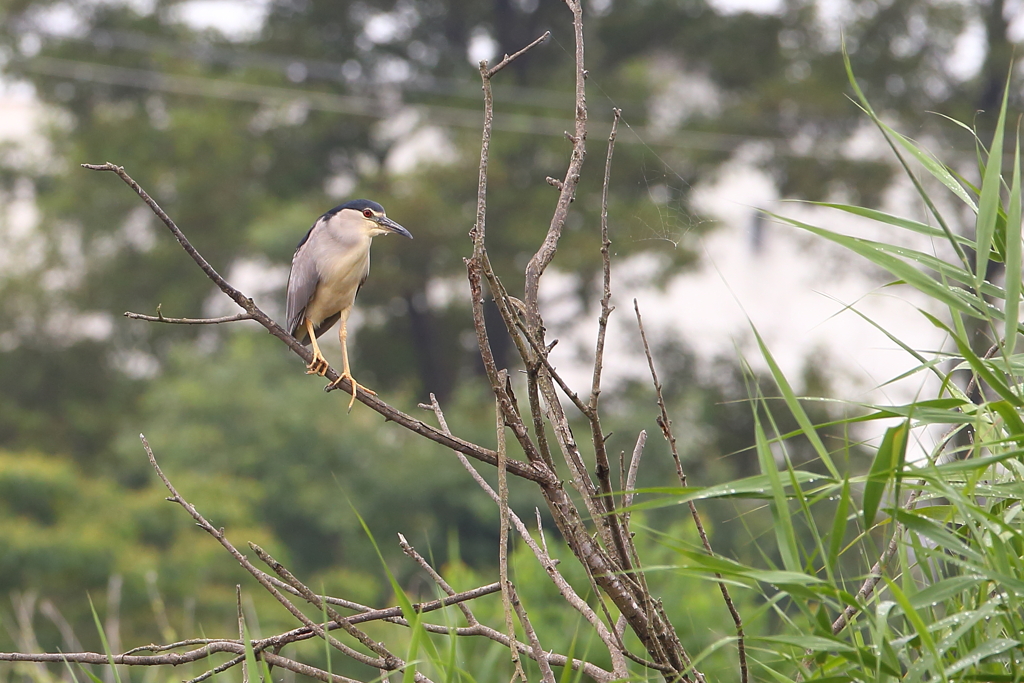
[147, 79]
[357, 105]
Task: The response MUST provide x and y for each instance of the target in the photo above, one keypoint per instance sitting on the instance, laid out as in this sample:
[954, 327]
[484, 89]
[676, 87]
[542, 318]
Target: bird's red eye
[368, 213]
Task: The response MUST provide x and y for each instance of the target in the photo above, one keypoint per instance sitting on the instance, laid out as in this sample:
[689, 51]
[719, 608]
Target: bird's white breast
[342, 261]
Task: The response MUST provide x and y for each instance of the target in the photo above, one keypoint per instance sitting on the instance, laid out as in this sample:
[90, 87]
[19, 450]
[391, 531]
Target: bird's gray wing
[366, 274]
[302, 282]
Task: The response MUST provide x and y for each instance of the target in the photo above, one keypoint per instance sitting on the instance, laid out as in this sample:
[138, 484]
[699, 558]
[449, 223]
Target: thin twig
[438, 579]
[241, 630]
[235, 661]
[390, 661]
[566, 194]
[606, 266]
[509, 59]
[666, 429]
[476, 267]
[634, 467]
[318, 629]
[545, 668]
[189, 321]
[602, 469]
[507, 590]
[392, 614]
[568, 593]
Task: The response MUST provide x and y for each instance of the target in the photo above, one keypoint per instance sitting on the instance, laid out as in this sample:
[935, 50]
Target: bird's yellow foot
[317, 366]
[355, 387]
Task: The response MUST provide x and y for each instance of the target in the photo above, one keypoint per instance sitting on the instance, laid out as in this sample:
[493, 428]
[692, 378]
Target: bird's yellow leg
[346, 372]
[317, 366]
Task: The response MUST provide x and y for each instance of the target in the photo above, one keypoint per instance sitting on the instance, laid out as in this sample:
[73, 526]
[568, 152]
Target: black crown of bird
[330, 265]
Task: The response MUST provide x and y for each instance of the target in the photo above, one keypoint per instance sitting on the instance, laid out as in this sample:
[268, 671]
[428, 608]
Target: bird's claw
[355, 387]
[317, 366]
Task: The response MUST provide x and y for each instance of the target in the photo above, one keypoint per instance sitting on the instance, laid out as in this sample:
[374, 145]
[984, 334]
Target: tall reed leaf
[888, 461]
[103, 640]
[1013, 255]
[988, 207]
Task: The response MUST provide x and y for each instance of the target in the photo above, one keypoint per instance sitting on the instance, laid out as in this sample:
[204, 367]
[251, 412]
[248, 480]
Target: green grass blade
[920, 627]
[103, 640]
[895, 221]
[1013, 256]
[784, 531]
[979, 366]
[92, 677]
[839, 524]
[251, 664]
[988, 207]
[419, 637]
[866, 106]
[71, 672]
[933, 166]
[889, 258]
[793, 403]
[883, 470]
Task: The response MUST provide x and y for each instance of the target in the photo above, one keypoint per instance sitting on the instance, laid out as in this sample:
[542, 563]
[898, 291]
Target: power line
[307, 69]
[354, 105]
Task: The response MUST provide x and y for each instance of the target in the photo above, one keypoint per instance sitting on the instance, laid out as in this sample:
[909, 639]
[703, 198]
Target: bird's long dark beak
[391, 226]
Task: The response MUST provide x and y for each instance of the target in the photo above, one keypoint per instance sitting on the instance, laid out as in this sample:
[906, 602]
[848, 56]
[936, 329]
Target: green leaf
[943, 590]
[988, 648]
[793, 403]
[895, 221]
[808, 642]
[835, 542]
[103, 640]
[1010, 416]
[988, 208]
[888, 257]
[251, 665]
[784, 531]
[1013, 256]
[978, 365]
[757, 486]
[917, 622]
[887, 463]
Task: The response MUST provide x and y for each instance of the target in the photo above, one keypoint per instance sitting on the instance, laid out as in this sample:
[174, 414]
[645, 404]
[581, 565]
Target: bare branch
[478, 267]
[620, 538]
[634, 467]
[318, 629]
[438, 579]
[160, 318]
[390, 661]
[666, 429]
[568, 593]
[217, 669]
[606, 266]
[508, 60]
[241, 630]
[305, 669]
[507, 590]
[538, 652]
[567, 191]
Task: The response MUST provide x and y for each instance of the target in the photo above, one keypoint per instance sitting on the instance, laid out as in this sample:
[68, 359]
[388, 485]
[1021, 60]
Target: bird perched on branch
[330, 265]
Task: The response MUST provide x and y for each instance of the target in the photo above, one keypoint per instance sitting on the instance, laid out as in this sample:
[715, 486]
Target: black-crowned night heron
[330, 264]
